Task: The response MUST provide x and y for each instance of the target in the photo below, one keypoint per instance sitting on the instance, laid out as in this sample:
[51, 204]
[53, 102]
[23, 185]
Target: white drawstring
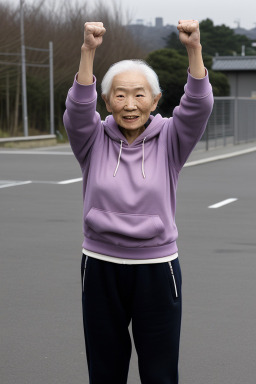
[119, 157]
[143, 158]
[142, 163]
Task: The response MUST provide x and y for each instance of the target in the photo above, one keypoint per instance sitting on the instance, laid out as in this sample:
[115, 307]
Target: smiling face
[130, 101]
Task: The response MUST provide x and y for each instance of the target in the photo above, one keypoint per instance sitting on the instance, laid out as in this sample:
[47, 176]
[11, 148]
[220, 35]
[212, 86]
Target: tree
[173, 42]
[171, 68]
[64, 26]
[221, 39]
[215, 39]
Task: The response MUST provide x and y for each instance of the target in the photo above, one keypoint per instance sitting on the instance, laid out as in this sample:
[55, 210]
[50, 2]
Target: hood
[112, 130]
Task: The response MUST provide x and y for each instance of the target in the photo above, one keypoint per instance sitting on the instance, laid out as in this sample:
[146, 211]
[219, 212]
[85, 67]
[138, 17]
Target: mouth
[130, 118]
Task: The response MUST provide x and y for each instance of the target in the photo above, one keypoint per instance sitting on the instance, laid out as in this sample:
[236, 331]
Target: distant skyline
[221, 12]
[227, 12]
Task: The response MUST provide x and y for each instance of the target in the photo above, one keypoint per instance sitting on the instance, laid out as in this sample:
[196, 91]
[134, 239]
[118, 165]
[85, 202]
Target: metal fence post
[236, 120]
[223, 124]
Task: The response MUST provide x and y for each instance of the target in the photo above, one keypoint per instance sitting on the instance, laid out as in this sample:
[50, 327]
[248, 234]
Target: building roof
[234, 63]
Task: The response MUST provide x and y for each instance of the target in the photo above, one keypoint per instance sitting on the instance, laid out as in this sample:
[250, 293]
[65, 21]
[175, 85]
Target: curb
[220, 157]
[28, 142]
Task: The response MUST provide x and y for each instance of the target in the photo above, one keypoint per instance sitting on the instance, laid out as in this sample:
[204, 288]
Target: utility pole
[23, 72]
[51, 88]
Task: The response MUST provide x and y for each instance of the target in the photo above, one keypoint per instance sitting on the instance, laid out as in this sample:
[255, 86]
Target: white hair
[130, 65]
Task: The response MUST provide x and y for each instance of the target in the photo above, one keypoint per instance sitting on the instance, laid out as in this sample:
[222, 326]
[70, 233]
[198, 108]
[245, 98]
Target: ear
[155, 101]
[105, 98]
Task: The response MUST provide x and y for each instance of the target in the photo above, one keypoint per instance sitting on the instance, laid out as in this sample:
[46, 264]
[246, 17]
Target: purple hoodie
[129, 190]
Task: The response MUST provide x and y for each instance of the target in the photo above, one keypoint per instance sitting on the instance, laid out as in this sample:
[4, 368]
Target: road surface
[41, 336]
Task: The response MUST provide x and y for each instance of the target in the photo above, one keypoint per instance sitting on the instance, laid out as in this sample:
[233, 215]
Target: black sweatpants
[149, 295]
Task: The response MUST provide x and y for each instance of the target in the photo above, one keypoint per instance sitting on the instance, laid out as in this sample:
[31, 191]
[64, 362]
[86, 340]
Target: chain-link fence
[233, 121]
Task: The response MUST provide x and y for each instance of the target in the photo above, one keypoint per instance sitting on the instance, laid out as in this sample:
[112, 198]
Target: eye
[139, 95]
[120, 96]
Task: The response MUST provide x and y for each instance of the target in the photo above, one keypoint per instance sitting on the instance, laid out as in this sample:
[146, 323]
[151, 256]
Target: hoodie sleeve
[81, 120]
[189, 120]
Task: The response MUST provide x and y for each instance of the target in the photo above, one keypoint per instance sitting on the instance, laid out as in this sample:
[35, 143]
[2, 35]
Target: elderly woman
[130, 164]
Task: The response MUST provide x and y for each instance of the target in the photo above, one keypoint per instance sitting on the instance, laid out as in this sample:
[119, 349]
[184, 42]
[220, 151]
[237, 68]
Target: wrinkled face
[130, 100]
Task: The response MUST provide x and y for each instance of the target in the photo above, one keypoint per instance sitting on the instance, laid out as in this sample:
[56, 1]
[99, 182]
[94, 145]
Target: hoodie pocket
[128, 230]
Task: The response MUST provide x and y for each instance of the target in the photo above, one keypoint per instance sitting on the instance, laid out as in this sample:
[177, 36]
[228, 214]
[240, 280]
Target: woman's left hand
[189, 33]
[190, 36]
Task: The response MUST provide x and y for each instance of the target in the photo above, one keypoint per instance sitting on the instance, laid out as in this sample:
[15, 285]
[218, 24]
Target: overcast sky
[220, 11]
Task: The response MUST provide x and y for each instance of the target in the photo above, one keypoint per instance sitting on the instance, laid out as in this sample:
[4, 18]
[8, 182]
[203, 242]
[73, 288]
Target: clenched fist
[189, 33]
[93, 35]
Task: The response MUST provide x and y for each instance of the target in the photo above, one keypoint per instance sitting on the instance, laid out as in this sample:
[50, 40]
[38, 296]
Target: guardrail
[28, 141]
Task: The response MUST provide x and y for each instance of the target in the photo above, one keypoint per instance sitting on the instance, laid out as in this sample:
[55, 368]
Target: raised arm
[191, 116]
[81, 120]
[189, 35]
[93, 36]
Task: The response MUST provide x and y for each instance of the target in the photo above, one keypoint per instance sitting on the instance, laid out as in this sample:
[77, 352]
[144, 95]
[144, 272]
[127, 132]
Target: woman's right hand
[93, 35]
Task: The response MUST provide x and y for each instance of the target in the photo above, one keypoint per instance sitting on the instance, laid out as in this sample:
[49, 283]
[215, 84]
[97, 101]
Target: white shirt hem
[118, 260]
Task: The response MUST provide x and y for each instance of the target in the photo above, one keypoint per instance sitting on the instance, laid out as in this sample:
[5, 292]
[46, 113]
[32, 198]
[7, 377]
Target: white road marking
[70, 181]
[8, 184]
[188, 164]
[222, 203]
[12, 183]
[37, 152]
[44, 182]
[220, 157]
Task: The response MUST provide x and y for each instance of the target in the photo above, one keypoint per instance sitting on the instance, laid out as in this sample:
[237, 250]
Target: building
[150, 38]
[159, 22]
[241, 73]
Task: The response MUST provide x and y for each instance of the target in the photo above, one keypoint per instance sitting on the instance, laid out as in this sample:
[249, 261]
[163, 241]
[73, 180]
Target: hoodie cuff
[198, 87]
[83, 93]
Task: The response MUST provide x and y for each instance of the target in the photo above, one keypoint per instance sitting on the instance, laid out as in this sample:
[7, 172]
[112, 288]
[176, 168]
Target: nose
[130, 104]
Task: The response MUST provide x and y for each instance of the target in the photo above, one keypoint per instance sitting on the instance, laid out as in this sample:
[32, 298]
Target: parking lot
[41, 335]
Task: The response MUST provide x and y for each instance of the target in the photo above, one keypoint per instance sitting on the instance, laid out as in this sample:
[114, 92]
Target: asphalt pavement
[41, 335]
